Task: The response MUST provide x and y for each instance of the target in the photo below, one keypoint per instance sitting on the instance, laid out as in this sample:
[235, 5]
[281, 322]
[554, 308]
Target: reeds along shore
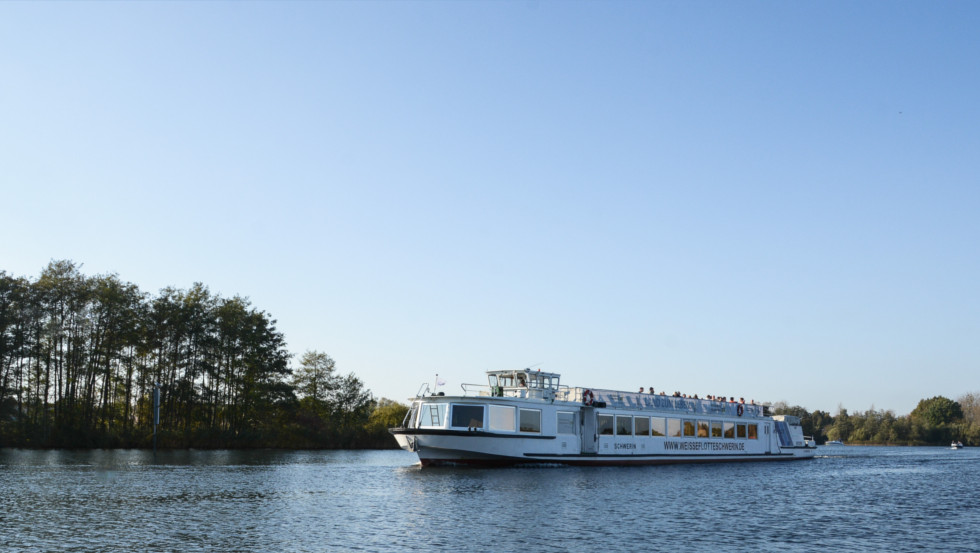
[79, 357]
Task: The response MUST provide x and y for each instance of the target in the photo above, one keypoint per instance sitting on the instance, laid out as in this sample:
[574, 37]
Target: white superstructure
[527, 416]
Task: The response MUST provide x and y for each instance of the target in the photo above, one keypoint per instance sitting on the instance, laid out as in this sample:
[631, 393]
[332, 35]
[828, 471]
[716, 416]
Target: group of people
[695, 396]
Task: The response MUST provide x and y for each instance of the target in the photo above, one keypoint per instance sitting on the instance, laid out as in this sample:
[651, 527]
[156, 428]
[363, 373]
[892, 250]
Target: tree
[315, 377]
[937, 411]
[351, 401]
[842, 427]
[970, 404]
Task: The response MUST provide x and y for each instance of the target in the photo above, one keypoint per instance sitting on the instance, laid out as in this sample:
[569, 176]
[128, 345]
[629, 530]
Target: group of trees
[80, 356]
[934, 421]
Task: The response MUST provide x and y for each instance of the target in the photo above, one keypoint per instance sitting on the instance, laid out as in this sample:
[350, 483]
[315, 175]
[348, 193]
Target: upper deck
[546, 387]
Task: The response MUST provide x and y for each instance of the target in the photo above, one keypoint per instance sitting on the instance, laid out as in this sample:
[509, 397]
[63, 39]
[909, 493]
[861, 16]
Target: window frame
[690, 428]
[498, 410]
[636, 425]
[520, 420]
[622, 423]
[663, 426]
[463, 407]
[605, 430]
[558, 423]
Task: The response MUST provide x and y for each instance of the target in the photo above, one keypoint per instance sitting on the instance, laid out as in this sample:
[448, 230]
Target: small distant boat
[956, 445]
[834, 442]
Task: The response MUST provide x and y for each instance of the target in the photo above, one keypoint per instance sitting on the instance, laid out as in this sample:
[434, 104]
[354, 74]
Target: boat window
[674, 428]
[741, 430]
[605, 424]
[659, 426]
[411, 419]
[689, 428]
[641, 426]
[753, 431]
[702, 429]
[530, 420]
[502, 418]
[624, 425]
[467, 416]
[433, 414]
[715, 429]
[729, 430]
[566, 422]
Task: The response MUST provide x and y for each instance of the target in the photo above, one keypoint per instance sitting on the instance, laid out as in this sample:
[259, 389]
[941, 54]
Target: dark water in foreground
[848, 499]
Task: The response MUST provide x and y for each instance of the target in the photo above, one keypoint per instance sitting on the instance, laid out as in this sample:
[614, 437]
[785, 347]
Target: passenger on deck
[641, 389]
[651, 390]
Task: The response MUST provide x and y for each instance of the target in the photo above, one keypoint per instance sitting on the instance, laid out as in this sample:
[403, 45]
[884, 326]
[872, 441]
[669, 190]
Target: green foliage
[938, 411]
[315, 378]
[79, 357]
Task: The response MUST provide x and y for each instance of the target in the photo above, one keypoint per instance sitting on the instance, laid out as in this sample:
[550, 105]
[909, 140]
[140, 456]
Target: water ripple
[855, 500]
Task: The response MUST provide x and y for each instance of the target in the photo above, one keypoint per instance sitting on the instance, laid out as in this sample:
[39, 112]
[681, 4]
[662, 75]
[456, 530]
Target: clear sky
[775, 200]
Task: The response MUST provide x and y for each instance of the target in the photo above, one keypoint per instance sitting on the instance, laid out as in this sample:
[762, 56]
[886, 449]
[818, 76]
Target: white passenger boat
[528, 417]
[956, 445]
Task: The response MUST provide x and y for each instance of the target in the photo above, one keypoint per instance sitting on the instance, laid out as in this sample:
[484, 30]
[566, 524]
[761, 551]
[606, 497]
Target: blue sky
[763, 199]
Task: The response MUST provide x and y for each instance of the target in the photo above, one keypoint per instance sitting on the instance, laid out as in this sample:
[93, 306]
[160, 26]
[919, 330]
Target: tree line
[80, 357]
[934, 421]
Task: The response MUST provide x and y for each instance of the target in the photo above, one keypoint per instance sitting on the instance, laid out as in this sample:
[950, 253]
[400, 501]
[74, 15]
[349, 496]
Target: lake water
[847, 499]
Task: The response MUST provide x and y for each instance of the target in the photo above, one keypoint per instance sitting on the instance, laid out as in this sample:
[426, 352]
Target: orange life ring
[588, 397]
[740, 409]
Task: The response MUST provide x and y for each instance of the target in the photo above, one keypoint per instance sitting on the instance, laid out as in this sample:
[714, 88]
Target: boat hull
[485, 449]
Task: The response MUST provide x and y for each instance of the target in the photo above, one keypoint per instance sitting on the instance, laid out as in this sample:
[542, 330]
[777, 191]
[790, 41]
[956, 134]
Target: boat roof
[526, 373]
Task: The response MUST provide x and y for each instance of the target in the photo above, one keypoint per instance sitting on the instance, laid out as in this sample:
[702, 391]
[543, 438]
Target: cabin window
[605, 424]
[566, 422]
[503, 418]
[689, 428]
[730, 430]
[530, 420]
[467, 416]
[641, 426]
[741, 430]
[674, 428]
[753, 431]
[715, 429]
[411, 420]
[659, 426]
[624, 425]
[702, 429]
[433, 414]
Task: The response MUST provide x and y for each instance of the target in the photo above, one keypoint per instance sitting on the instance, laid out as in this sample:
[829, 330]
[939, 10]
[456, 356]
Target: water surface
[847, 499]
